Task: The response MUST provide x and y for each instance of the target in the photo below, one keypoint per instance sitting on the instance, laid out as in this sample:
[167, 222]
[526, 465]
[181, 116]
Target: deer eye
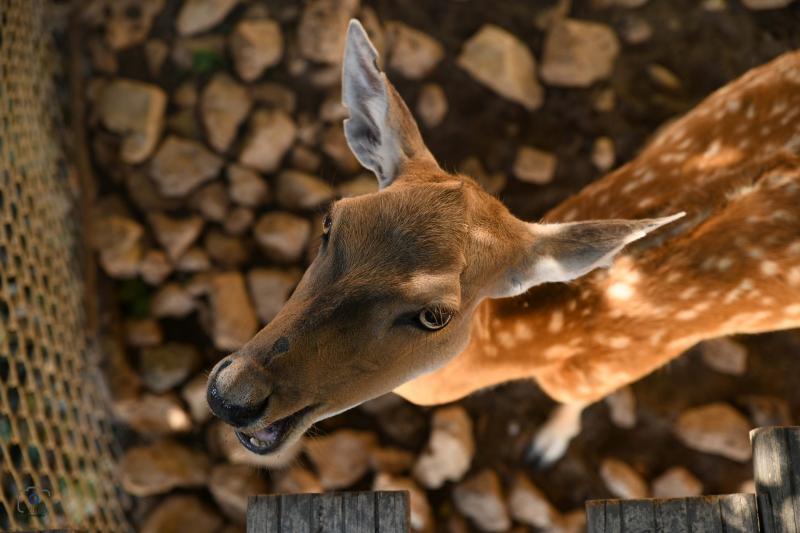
[327, 222]
[434, 318]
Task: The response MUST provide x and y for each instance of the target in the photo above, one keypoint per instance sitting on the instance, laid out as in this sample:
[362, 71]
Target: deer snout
[238, 390]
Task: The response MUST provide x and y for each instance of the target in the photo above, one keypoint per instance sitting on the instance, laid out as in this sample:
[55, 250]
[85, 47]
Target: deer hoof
[554, 436]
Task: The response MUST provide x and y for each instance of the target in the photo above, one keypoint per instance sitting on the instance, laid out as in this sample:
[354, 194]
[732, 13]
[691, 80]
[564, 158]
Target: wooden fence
[775, 508]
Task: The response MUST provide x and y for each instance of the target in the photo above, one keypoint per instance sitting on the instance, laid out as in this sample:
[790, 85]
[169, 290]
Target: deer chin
[274, 436]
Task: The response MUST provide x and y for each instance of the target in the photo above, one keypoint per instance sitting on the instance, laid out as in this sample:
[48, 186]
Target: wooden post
[776, 468]
[344, 512]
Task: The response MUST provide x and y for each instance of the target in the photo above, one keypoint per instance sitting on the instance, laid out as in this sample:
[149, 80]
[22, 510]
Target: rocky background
[215, 136]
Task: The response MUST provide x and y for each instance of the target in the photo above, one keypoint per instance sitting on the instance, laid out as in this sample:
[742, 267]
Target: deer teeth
[257, 442]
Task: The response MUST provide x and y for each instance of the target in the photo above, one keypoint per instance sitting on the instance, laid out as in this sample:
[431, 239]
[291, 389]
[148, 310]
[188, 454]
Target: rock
[155, 267]
[119, 242]
[677, 482]
[141, 333]
[223, 105]
[724, 355]
[334, 145]
[421, 517]
[128, 22]
[766, 410]
[627, 4]
[172, 301]
[160, 467]
[271, 134]
[194, 394]
[239, 220]
[168, 365]
[323, 29]
[534, 166]
[305, 159]
[180, 165]
[185, 95]
[154, 414]
[274, 96]
[480, 498]
[747, 487]
[391, 460]
[449, 452]
[431, 105]
[622, 408]
[270, 288]
[530, 506]
[234, 319]
[622, 481]
[663, 77]
[225, 250]
[230, 485]
[341, 458]
[255, 46]
[578, 53]
[492, 183]
[362, 184]
[156, 52]
[246, 187]
[224, 442]
[211, 201]
[572, 522]
[499, 60]
[298, 190]
[197, 16]
[332, 109]
[176, 235]
[200, 55]
[603, 155]
[295, 480]
[604, 100]
[103, 58]
[182, 513]
[134, 110]
[194, 260]
[716, 428]
[636, 30]
[413, 53]
[144, 194]
[282, 236]
[766, 4]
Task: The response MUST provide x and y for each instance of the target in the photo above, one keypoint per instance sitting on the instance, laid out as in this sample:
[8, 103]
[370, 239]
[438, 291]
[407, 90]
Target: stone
[534, 166]
[578, 53]
[431, 105]
[715, 428]
[334, 145]
[498, 59]
[677, 482]
[623, 481]
[766, 4]
[172, 301]
[421, 518]
[323, 29]
[492, 183]
[186, 94]
[118, 240]
[239, 220]
[480, 498]
[180, 165]
[604, 100]
[199, 55]
[103, 58]
[127, 22]
[246, 187]
[176, 235]
[234, 320]
[622, 408]
[142, 333]
[663, 77]
[155, 267]
[153, 414]
[766, 410]
[391, 460]
[305, 159]
[627, 4]
[270, 288]
[256, 45]
[603, 154]
[282, 236]
[636, 30]
[224, 442]
[195, 259]
[185, 124]
[295, 480]
[332, 109]
[271, 134]
[211, 201]
[168, 365]
[274, 96]
[361, 184]
[159, 467]
[530, 506]
[724, 355]
[197, 16]
[134, 110]
[226, 250]
[450, 449]
[156, 52]
[412, 53]
[224, 104]
[194, 394]
[341, 458]
[231, 485]
[300, 191]
[182, 513]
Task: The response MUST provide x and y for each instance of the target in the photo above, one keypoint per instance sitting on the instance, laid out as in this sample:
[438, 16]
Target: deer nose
[238, 390]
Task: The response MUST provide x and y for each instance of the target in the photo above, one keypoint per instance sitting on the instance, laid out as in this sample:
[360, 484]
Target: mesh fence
[56, 444]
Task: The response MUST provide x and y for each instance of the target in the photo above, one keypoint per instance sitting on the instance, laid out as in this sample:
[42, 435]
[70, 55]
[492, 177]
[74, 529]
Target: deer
[432, 289]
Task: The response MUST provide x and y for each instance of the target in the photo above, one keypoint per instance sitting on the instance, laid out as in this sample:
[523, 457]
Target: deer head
[398, 276]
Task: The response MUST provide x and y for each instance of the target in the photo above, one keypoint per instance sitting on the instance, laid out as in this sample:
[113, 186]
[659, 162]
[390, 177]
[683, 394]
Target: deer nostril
[227, 408]
[224, 364]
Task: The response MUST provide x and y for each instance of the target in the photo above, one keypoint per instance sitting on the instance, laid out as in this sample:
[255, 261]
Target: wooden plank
[613, 516]
[359, 512]
[638, 516]
[596, 516]
[295, 513]
[327, 514]
[704, 515]
[671, 516]
[393, 512]
[775, 456]
[263, 514]
[739, 514]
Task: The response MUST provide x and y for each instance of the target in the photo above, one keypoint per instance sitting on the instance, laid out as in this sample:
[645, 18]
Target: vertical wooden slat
[359, 512]
[263, 514]
[704, 515]
[295, 513]
[739, 514]
[596, 516]
[638, 516]
[613, 516]
[775, 452]
[393, 510]
[671, 516]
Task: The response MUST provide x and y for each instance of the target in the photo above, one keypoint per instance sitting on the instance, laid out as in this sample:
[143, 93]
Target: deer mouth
[271, 437]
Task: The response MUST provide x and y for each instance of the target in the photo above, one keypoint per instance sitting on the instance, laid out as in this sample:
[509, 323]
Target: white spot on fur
[556, 322]
[769, 268]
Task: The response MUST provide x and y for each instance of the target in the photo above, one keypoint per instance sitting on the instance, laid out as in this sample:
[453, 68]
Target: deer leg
[554, 436]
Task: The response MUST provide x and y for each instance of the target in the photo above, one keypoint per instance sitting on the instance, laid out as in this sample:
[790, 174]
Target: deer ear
[563, 252]
[381, 131]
